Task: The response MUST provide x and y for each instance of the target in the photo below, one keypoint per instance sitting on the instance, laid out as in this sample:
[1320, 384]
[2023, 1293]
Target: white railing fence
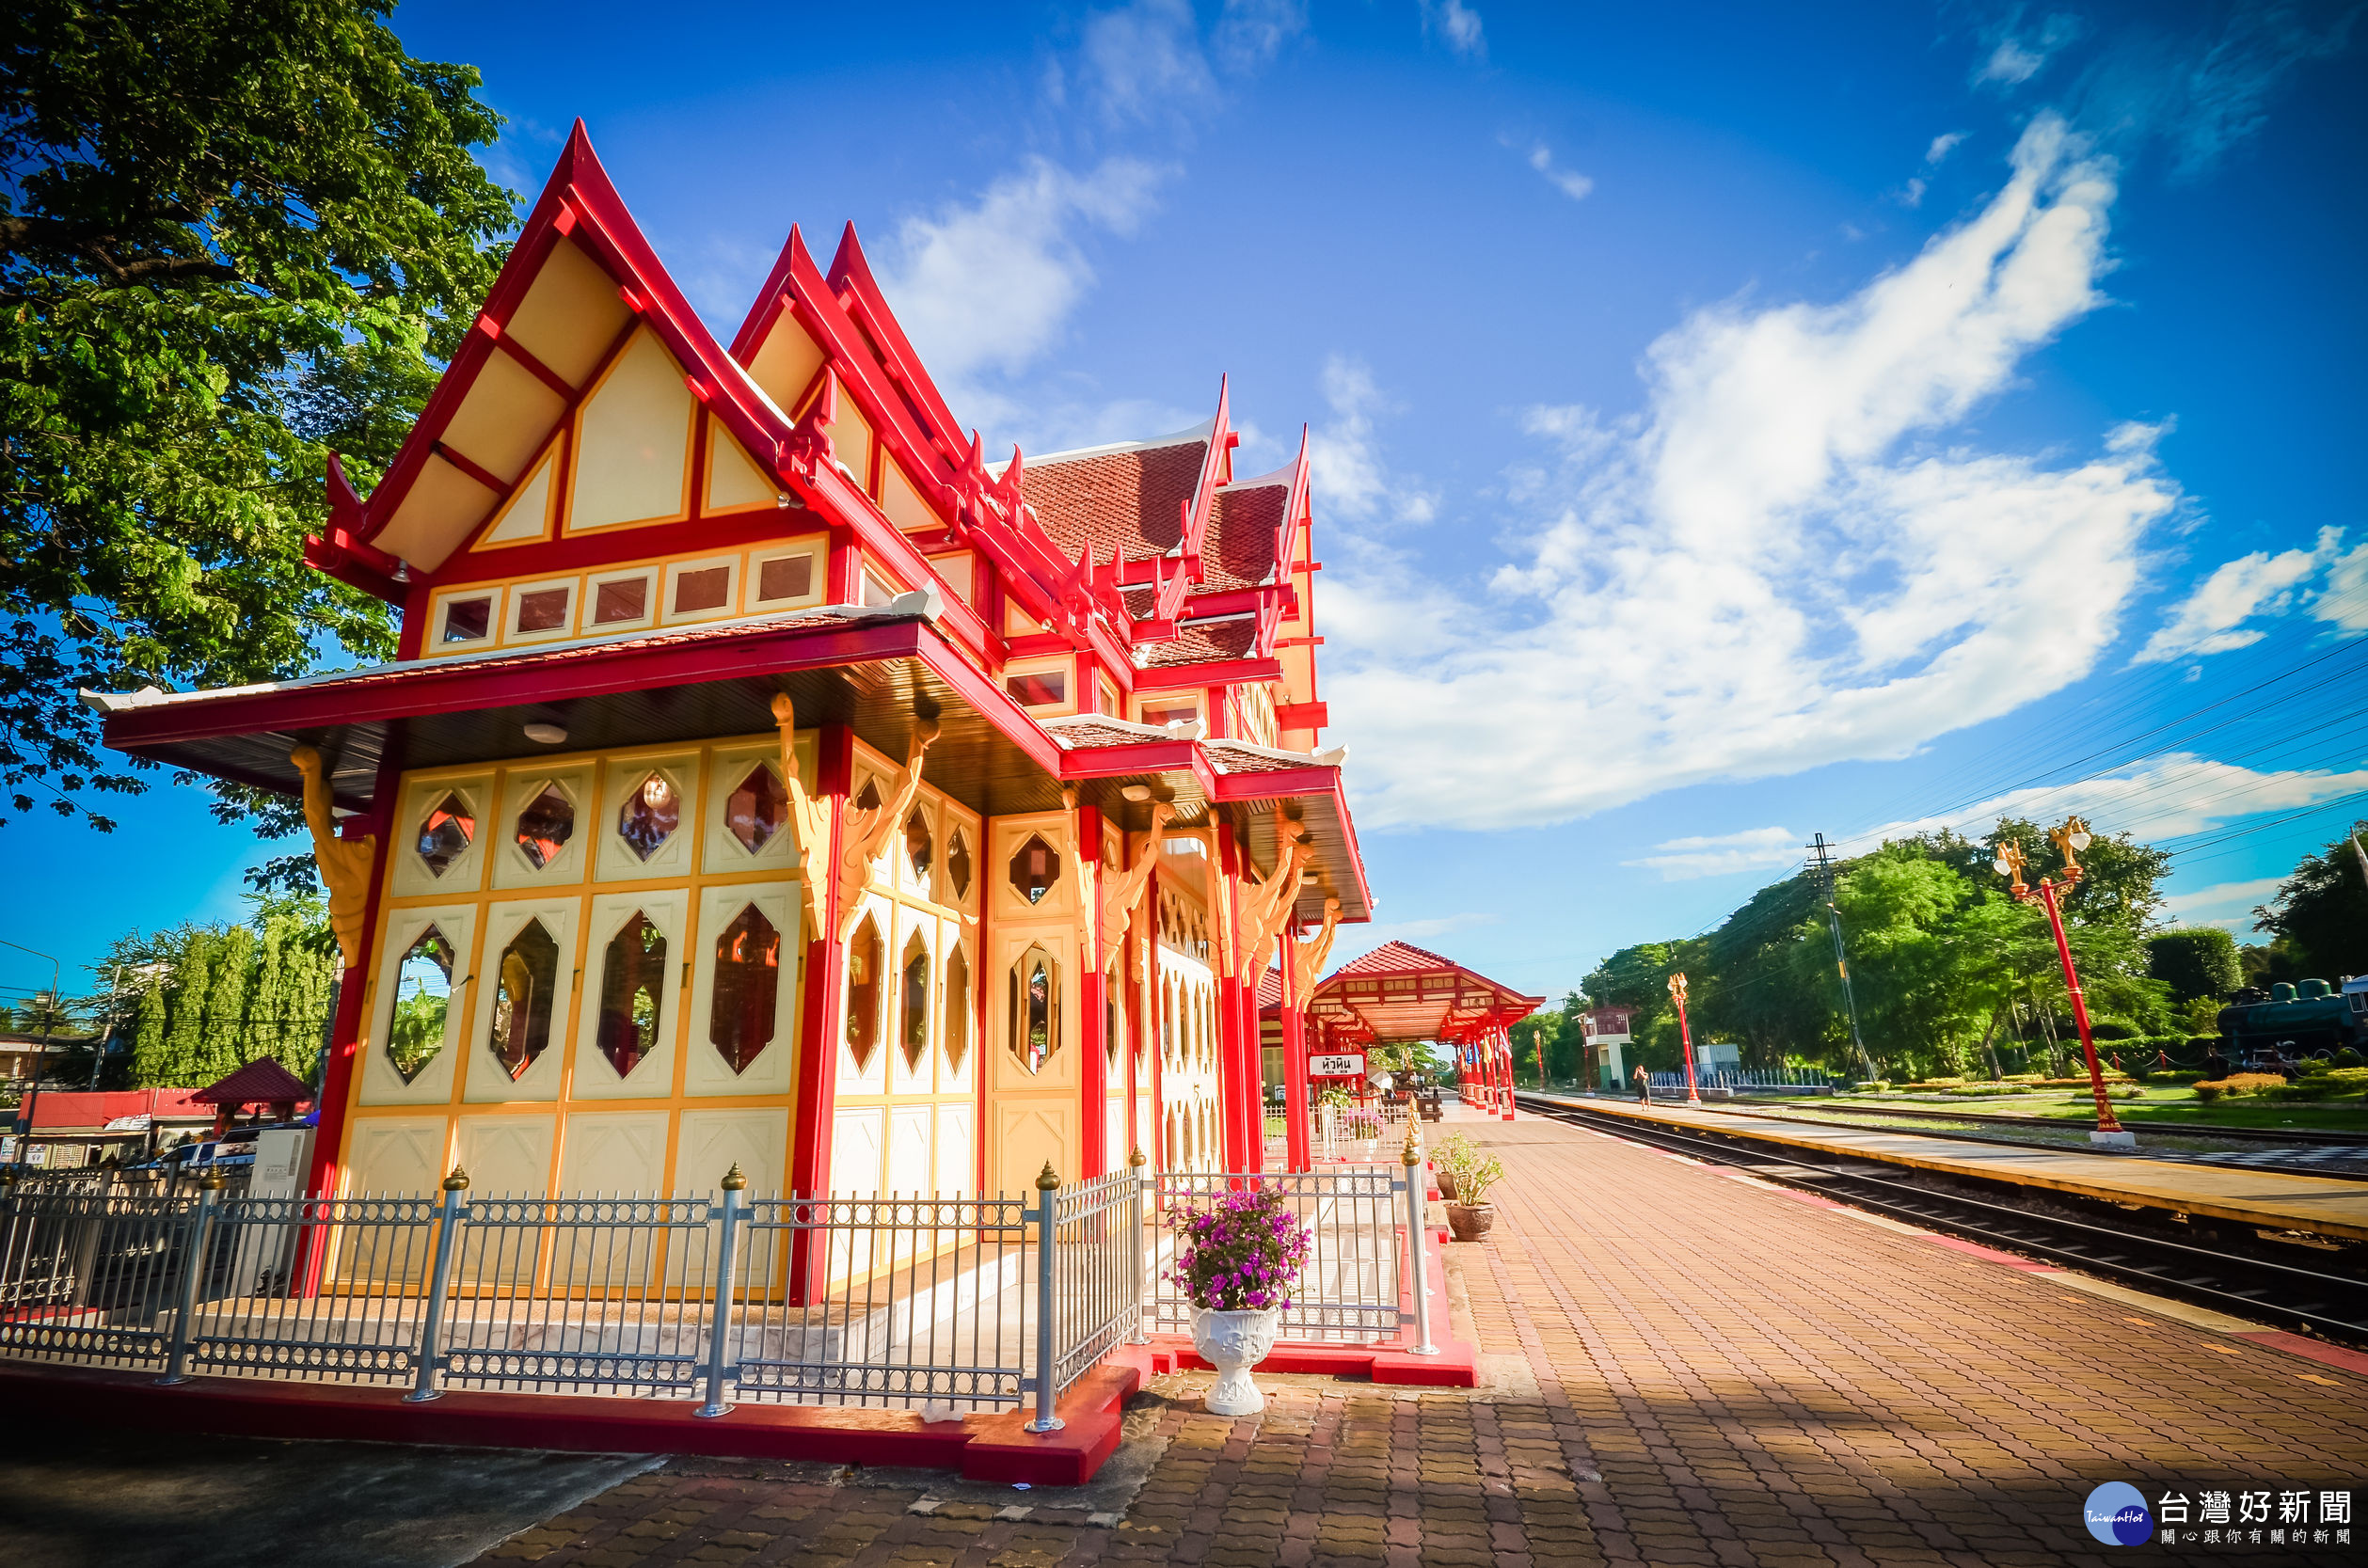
[921, 1301]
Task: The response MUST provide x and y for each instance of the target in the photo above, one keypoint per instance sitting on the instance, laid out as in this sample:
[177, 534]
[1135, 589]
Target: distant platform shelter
[1400, 992]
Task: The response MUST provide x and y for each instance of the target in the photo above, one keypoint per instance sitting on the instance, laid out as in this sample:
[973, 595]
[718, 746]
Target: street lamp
[1685, 1034]
[2069, 840]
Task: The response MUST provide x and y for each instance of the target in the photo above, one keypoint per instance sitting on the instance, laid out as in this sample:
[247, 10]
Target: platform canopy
[1403, 992]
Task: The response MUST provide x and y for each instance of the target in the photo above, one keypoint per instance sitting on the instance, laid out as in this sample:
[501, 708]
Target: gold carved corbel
[1269, 905]
[868, 828]
[346, 864]
[809, 816]
[1308, 957]
[1125, 889]
[1081, 871]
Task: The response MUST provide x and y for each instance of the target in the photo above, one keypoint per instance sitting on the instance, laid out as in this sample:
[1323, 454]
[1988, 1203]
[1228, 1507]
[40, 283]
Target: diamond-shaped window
[649, 816]
[958, 865]
[1034, 869]
[958, 1005]
[522, 999]
[918, 847]
[1035, 1009]
[746, 985]
[864, 957]
[423, 998]
[446, 832]
[913, 1034]
[545, 825]
[755, 811]
[632, 981]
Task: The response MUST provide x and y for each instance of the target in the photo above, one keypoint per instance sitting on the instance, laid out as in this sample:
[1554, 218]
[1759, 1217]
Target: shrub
[1881, 1085]
[2238, 1085]
[2349, 1056]
[2112, 1029]
[2176, 1075]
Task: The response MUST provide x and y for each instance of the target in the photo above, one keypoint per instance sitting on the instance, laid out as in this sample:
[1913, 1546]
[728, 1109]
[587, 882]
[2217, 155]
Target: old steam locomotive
[2295, 1021]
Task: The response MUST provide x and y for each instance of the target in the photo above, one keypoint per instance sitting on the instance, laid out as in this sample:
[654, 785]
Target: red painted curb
[987, 1448]
[2309, 1348]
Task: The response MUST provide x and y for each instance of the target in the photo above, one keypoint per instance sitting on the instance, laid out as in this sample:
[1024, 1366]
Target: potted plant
[1237, 1262]
[1453, 1148]
[1470, 1213]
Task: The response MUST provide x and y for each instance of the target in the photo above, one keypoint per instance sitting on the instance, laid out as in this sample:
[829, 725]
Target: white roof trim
[1197, 433]
[1333, 759]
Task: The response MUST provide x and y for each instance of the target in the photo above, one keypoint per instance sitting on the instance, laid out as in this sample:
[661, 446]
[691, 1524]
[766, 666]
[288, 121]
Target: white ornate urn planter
[1234, 1342]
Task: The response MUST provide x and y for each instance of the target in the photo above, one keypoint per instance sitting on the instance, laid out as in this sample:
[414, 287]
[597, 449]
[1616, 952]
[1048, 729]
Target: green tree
[1753, 990]
[2195, 963]
[222, 1025]
[152, 1062]
[2319, 919]
[233, 237]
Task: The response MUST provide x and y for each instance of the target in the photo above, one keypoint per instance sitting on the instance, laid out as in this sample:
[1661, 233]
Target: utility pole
[1823, 865]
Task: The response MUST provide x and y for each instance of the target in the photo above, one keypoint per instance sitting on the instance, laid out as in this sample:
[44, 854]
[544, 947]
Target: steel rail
[2056, 1237]
[2321, 1136]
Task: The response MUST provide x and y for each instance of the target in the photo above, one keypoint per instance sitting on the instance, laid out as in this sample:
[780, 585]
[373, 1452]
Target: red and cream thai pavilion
[766, 778]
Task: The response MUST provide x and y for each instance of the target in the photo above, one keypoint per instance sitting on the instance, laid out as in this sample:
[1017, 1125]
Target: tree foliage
[2319, 919]
[2195, 963]
[233, 237]
[201, 1001]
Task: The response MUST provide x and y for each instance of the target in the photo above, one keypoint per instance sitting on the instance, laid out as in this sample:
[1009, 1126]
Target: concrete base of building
[989, 1447]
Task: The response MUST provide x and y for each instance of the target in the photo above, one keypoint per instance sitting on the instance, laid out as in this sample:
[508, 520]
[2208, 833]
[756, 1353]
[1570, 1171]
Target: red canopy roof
[1399, 991]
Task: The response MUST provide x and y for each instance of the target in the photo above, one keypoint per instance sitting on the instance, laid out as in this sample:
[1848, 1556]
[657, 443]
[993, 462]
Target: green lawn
[2159, 1103]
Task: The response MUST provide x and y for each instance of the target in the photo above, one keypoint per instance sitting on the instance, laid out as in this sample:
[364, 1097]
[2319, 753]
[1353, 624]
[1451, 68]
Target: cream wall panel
[512, 867]
[902, 499]
[505, 1156]
[525, 515]
[710, 1143]
[615, 861]
[411, 877]
[857, 1132]
[721, 851]
[570, 314]
[381, 1085]
[505, 416]
[487, 1082]
[1027, 1134]
[1146, 1122]
[786, 362]
[396, 1156]
[614, 1152]
[909, 1163]
[734, 480]
[956, 1151]
[439, 512]
[1114, 1135]
[633, 441]
[592, 1075]
[852, 440]
[706, 1071]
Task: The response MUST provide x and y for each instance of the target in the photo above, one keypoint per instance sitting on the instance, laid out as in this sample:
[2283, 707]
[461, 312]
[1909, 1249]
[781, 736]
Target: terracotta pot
[1445, 1180]
[1234, 1342]
[1471, 1221]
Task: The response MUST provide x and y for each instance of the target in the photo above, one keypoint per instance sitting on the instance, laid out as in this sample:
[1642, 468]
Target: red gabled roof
[1204, 643]
[1131, 500]
[1399, 991]
[1394, 957]
[261, 1082]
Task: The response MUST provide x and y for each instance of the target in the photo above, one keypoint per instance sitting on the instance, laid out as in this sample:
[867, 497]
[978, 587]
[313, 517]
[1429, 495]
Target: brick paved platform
[1684, 1367]
[2270, 1199]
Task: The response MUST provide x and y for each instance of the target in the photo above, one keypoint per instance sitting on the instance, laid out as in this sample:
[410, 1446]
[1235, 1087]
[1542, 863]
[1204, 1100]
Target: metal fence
[1757, 1080]
[1361, 1135]
[918, 1302]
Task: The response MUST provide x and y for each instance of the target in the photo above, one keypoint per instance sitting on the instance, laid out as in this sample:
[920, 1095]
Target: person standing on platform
[1644, 1086]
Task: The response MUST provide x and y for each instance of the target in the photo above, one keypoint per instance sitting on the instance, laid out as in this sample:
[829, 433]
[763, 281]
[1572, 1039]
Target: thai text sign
[1348, 1064]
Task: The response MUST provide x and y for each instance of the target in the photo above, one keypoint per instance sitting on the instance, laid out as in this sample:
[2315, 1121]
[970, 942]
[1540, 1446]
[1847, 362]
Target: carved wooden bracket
[1268, 906]
[809, 819]
[1125, 889]
[1081, 872]
[346, 864]
[865, 828]
[1307, 958]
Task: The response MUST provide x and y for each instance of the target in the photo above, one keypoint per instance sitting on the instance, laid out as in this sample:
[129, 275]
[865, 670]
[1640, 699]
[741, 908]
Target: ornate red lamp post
[2069, 841]
[1685, 1034]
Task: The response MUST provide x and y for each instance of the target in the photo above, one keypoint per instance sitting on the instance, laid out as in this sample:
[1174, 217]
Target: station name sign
[1348, 1065]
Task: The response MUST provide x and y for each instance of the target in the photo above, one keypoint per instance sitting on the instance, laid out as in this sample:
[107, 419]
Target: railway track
[2291, 1137]
[2319, 1289]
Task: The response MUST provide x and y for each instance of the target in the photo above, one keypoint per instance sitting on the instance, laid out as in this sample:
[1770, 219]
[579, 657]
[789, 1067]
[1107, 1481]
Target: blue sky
[1733, 421]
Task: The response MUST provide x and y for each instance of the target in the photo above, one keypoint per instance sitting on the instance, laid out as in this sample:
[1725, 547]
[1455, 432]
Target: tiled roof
[1131, 500]
[1204, 643]
[261, 1082]
[1395, 957]
[1231, 758]
[1074, 735]
[1239, 551]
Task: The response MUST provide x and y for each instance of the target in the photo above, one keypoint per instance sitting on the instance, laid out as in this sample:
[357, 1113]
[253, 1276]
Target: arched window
[1035, 1008]
[955, 1037]
[633, 979]
[915, 1027]
[522, 999]
[745, 988]
[864, 955]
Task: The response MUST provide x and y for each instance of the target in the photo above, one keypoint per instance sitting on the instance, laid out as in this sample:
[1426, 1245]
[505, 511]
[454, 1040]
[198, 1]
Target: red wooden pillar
[1504, 1043]
[1093, 1130]
[1137, 1043]
[1241, 1151]
[1297, 1155]
[817, 1021]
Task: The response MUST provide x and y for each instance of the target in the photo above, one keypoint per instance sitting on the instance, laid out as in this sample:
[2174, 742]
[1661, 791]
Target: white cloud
[1681, 860]
[1774, 563]
[2016, 56]
[2211, 620]
[1569, 182]
[2227, 905]
[1345, 459]
[1143, 61]
[1251, 33]
[1912, 194]
[1458, 24]
[1355, 942]
[1943, 144]
[2345, 602]
[984, 287]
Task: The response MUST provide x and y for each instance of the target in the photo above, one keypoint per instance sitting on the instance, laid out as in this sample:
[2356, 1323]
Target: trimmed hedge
[2238, 1085]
